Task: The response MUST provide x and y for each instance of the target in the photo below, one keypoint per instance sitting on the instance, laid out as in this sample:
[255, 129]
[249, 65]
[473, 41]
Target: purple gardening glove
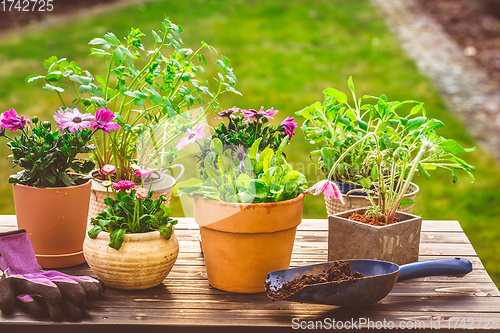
[23, 280]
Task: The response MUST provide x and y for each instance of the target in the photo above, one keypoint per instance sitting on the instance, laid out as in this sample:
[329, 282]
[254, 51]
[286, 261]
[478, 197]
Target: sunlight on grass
[284, 54]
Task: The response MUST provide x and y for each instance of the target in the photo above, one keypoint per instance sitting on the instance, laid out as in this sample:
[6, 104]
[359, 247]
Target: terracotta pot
[242, 243]
[398, 242]
[163, 185]
[143, 261]
[354, 200]
[55, 219]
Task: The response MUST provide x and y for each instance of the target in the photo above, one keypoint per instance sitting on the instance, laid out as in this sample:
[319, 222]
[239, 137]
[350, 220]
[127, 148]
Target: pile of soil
[474, 25]
[370, 219]
[15, 17]
[338, 272]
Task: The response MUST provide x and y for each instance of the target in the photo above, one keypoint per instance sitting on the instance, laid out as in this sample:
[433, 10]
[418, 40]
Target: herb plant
[142, 86]
[49, 158]
[131, 210]
[389, 144]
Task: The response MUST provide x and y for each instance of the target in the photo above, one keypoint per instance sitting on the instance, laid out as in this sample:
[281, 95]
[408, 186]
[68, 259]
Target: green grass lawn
[284, 54]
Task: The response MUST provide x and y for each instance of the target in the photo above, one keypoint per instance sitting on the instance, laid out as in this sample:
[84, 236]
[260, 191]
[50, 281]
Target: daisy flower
[73, 120]
[191, 138]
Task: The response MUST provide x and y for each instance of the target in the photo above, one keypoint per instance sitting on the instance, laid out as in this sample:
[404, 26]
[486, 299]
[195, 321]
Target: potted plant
[147, 89]
[335, 125]
[131, 244]
[51, 197]
[247, 200]
[381, 231]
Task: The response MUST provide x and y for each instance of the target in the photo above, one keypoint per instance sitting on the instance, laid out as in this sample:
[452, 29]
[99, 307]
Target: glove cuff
[16, 253]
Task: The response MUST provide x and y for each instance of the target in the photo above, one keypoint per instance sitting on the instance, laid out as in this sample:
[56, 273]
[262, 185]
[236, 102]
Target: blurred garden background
[284, 54]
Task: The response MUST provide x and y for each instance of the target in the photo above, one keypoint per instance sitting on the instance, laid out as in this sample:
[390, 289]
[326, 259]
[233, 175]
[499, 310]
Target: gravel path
[465, 87]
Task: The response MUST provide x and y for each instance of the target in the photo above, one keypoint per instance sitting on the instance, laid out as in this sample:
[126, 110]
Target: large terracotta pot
[55, 220]
[242, 243]
[397, 242]
[163, 185]
[143, 261]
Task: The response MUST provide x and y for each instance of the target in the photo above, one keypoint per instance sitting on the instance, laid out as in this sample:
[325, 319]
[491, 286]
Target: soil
[474, 26]
[16, 18]
[375, 220]
[338, 272]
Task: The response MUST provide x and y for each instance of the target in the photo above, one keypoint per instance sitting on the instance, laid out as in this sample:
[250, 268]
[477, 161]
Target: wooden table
[186, 302]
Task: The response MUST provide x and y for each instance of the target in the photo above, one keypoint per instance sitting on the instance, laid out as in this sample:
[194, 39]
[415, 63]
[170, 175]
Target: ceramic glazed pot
[355, 200]
[143, 261]
[55, 220]
[164, 184]
[242, 243]
[398, 242]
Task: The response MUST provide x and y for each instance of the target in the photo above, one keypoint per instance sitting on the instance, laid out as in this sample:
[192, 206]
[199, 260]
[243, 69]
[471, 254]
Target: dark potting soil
[377, 221]
[338, 272]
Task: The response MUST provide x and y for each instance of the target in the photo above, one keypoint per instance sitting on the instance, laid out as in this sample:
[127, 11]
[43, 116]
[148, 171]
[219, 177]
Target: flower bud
[34, 119]
[46, 124]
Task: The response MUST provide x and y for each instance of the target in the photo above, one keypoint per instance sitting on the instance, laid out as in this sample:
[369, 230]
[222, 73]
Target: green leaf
[406, 202]
[416, 109]
[216, 145]
[166, 230]
[94, 231]
[52, 88]
[362, 125]
[282, 146]
[453, 147]
[254, 149]
[423, 171]
[118, 57]
[33, 78]
[98, 41]
[415, 123]
[338, 95]
[111, 38]
[116, 238]
[365, 182]
[374, 173]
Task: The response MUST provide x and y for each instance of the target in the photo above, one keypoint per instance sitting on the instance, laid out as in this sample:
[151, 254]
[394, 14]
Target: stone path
[465, 87]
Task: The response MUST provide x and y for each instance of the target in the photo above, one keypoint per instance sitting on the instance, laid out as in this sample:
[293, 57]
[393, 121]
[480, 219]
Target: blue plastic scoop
[378, 281]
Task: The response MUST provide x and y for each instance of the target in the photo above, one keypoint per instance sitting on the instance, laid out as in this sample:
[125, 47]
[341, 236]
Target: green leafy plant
[142, 86]
[395, 144]
[49, 159]
[132, 211]
[247, 176]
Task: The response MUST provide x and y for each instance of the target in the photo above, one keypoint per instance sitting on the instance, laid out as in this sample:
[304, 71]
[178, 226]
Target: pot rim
[299, 197]
[55, 188]
[143, 236]
[336, 215]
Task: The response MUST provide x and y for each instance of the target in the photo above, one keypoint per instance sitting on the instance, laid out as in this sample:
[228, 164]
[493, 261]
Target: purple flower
[12, 121]
[289, 125]
[239, 153]
[103, 120]
[123, 185]
[141, 193]
[73, 120]
[143, 173]
[329, 189]
[253, 115]
[191, 138]
[229, 113]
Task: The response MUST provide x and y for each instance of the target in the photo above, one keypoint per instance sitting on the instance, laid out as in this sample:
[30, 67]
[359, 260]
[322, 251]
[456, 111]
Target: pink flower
[12, 121]
[289, 125]
[254, 115]
[143, 173]
[108, 169]
[141, 193]
[329, 189]
[123, 185]
[103, 120]
[73, 120]
[191, 138]
[227, 113]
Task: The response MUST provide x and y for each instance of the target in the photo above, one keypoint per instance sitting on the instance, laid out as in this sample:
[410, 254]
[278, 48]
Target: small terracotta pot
[143, 261]
[55, 220]
[397, 242]
[242, 243]
[164, 185]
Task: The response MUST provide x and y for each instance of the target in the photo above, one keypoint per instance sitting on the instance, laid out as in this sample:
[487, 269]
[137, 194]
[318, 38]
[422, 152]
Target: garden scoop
[378, 281]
